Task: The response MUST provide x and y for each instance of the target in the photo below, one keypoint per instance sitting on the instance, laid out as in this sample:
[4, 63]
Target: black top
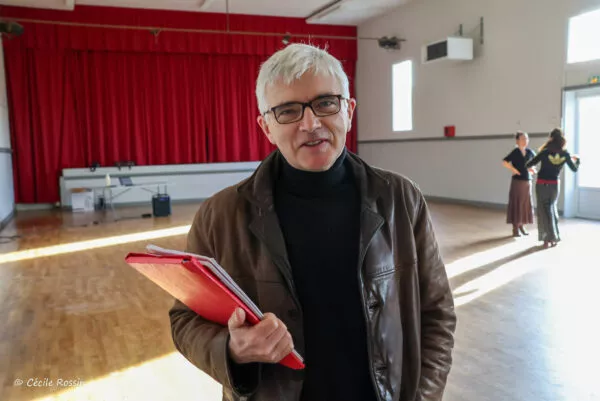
[519, 162]
[552, 163]
[319, 214]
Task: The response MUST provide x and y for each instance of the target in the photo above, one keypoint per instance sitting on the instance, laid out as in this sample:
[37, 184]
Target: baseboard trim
[26, 207]
[480, 204]
[485, 205]
[457, 138]
[7, 219]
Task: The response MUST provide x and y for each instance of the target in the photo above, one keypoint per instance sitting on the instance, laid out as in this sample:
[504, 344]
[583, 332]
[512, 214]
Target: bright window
[402, 81]
[584, 31]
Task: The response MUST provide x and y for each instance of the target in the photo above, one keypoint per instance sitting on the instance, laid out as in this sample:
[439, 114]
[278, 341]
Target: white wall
[473, 175]
[514, 83]
[7, 201]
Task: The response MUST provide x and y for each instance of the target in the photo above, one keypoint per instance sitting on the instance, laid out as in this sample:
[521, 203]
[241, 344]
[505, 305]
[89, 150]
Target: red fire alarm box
[449, 131]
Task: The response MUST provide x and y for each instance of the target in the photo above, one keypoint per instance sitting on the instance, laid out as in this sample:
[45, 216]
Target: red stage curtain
[84, 94]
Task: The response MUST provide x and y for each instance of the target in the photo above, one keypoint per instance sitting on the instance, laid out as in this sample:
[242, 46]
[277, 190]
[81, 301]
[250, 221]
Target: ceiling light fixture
[324, 11]
[204, 4]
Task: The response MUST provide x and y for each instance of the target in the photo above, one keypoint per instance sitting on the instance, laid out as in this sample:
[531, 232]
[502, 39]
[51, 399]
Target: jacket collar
[258, 188]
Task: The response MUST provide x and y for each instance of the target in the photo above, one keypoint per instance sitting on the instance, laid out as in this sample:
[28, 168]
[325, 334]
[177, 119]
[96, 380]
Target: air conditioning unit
[452, 48]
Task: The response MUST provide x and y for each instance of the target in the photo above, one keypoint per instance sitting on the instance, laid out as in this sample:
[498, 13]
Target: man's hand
[269, 341]
[532, 171]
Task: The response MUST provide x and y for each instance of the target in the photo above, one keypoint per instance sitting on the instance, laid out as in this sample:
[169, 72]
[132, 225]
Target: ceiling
[344, 12]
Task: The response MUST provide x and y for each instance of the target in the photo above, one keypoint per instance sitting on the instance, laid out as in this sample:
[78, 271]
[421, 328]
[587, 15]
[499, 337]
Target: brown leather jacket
[407, 301]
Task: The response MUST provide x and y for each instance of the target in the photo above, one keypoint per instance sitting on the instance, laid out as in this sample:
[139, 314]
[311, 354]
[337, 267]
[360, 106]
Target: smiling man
[341, 254]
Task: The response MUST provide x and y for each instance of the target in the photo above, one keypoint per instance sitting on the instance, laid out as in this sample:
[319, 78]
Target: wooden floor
[77, 323]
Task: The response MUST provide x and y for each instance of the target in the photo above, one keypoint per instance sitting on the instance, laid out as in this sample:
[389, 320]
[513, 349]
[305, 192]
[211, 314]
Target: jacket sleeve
[536, 159]
[509, 157]
[438, 317]
[204, 343]
[573, 166]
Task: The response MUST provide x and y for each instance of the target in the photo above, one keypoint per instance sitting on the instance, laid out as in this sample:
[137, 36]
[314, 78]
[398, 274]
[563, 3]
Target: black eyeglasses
[292, 112]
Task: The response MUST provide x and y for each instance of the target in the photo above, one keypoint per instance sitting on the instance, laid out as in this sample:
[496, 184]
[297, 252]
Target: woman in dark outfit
[553, 156]
[520, 204]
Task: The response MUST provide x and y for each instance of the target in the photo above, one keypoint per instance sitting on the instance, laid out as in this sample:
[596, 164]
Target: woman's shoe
[546, 244]
[523, 230]
[516, 232]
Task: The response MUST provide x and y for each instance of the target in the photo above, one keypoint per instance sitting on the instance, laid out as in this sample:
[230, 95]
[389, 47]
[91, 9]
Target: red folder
[189, 280]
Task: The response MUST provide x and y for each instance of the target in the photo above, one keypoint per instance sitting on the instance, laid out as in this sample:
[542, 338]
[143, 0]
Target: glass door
[586, 144]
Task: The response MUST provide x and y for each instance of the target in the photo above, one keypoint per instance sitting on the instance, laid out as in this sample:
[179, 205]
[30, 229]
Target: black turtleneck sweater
[319, 214]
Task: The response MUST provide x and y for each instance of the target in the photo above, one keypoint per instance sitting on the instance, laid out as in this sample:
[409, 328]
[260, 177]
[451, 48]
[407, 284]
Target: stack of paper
[217, 270]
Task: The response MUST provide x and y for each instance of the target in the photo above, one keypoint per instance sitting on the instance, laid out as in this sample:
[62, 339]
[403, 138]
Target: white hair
[290, 63]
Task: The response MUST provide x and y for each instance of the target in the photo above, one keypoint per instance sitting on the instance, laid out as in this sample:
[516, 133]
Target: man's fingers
[268, 341]
[237, 319]
[277, 335]
[284, 347]
[267, 326]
